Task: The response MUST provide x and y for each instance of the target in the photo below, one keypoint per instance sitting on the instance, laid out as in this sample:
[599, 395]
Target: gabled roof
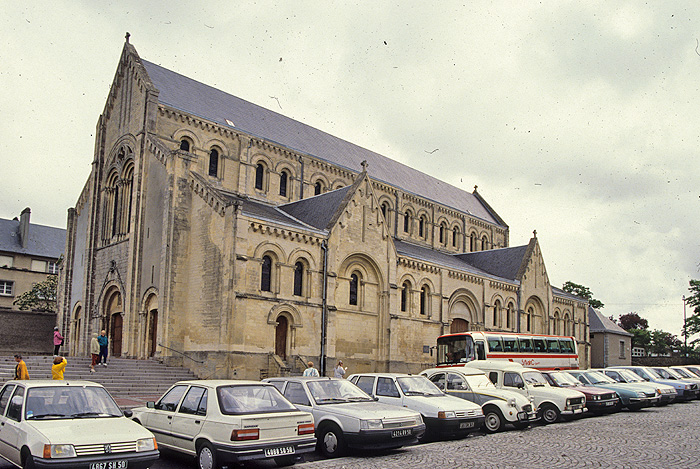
[565, 294]
[44, 241]
[504, 262]
[597, 322]
[204, 101]
[318, 211]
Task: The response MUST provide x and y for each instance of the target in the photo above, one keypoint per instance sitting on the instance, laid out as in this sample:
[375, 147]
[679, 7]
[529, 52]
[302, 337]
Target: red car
[597, 400]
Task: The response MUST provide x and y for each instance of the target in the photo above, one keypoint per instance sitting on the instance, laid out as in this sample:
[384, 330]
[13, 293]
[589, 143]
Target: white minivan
[444, 415]
[552, 402]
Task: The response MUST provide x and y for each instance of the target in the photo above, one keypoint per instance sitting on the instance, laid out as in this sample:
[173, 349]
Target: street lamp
[685, 330]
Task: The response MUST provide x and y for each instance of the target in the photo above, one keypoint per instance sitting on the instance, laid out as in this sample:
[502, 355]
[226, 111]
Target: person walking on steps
[94, 352]
[103, 341]
[21, 368]
[57, 341]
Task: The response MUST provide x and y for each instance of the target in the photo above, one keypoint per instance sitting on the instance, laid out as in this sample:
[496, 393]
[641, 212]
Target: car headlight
[419, 419]
[688, 386]
[146, 444]
[59, 451]
[511, 402]
[595, 398]
[371, 424]
[641, 394]
[446, 415]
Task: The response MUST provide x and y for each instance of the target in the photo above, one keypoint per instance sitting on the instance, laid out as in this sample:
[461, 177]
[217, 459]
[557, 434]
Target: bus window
[455, 349]
[540, 346]
[525, 344]
[566, 345]
[552, 346]
[480, 351]
[510, 344]
[495, 344]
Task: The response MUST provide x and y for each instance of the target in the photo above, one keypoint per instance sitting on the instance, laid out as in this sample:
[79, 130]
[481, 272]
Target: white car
[69, 424]
[552, 402]
[227, 421]
[346, 417]
[500, 406]
[443, 414]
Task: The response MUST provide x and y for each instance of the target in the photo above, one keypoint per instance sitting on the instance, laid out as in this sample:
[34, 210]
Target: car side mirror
[151, 405]
[127, 413]
[521, 385]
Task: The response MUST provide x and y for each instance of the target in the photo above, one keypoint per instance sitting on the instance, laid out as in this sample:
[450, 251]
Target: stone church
[222, 236]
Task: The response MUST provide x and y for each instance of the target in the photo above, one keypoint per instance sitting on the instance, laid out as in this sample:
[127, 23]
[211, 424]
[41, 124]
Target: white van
[552, 402]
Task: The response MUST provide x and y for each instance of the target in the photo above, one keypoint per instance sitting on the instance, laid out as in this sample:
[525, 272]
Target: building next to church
[610, 344]
[228, 238]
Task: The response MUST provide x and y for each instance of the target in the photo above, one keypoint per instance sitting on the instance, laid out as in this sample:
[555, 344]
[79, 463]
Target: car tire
[206, 456]
[27, 459]
[331, 441]
[283, 461]
[550, 414]
[493, 420]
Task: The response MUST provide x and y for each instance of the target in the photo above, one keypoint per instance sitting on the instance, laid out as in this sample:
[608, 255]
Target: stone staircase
[131, 382]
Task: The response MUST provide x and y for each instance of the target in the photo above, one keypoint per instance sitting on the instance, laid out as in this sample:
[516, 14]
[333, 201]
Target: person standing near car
[310, 370]
[58, 367]
[339, 371]
[104, 342]
[21, 368]
[94, 352]
[57, 341]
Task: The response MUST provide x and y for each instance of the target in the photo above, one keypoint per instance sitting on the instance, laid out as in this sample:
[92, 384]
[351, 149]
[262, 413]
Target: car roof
[391, 375]
[35, 383]
[217, 382]
[470, 371]
[498, 365]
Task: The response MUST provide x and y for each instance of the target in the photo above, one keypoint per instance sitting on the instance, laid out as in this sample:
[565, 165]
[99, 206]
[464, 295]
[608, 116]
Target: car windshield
[334, 391]
[251, 399]
[479, 381]
[630, 376]
[597, 377]
[683, 373]
[418, 386]
[70, 402]
[673, 373]
[564, 379]
[651, 373]
[534, 378]
[695, 370]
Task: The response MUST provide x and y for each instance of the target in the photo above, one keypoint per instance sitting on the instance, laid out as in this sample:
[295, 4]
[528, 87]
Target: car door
[366, 383]
[387, 392]
[457, 386]
[5, 395]
[187, 421]
[296, 394]
[12, 431]
[514, 382]
[159, 420]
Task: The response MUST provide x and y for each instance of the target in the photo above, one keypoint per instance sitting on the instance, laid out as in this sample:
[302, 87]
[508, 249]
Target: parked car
[444, 415]
[553, 403]
[346, 417]
[672, 373]
[597, 400]
[685, 391]
[500, 406]
[69, 424]
[667, 393]
[634, 397]
[693, 371]
[227, 421]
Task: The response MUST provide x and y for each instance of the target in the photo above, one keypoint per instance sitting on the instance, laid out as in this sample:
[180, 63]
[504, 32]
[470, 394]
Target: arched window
[354, 284]
[298, 278]
[318, 187]
[385, 210]
[455, 236]
[424, 299]
[528, 319]
[266, 274]
[443, 240]
[421, 227]
[484, 243]
[472, 242]
[184, 145]
[283, 183]
[555, 323]
[214, 162]
[496, 312]
[567, 330]
[405, 295]
[259, 176]
[115, 211]
[509, 316]
[406, 221]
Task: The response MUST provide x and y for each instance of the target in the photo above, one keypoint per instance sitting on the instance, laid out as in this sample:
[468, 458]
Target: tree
[663, 342]
[641, 338]
[631, 321]
[583, 292]
[692, 324]
[42, 296]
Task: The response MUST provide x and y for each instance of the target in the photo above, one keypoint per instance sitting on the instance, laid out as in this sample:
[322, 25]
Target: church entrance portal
[152, 332]
[459, 325]
[281, 337]
[116, 333]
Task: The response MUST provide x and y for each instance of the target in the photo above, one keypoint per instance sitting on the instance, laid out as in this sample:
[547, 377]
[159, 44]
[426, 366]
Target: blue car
[634, 397]
[685, 390]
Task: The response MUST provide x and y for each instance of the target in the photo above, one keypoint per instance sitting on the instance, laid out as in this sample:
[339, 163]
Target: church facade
[222, 236]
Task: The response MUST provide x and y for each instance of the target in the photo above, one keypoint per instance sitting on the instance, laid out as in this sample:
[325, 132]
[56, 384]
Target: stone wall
[26, 332]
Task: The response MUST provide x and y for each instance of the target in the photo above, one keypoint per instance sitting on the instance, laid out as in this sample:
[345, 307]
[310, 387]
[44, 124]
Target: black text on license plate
[466, 425]
[122, 464]
[282, 450]
[401, 433]
[610, 403]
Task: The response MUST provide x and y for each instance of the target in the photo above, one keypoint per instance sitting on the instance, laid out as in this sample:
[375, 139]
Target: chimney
[24, 227]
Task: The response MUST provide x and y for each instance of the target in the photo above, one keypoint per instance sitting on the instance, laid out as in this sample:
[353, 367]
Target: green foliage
[641, 337]
[663, 342]
[692, 325]
[583, 292]
[631, 321]
[42, 296]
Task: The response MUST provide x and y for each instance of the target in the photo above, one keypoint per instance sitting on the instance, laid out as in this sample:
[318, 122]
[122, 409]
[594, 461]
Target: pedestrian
[95, 352]
[311, 371]
[21, 368]
[103, 341]
[58, 367]
[339, 371]
[57, 341]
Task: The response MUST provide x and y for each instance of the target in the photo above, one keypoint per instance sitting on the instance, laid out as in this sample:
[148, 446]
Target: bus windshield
[455, 349]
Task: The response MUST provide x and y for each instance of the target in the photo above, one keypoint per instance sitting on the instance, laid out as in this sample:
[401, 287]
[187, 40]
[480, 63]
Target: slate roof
[560, 292]
[204, 101]
[504, 262]
[44, 241]
[598, 322]
[317, 211]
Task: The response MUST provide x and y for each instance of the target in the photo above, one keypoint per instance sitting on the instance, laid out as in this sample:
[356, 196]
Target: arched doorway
[152, 341]
[75, 330]
[459, 325]
[281, 331]
[116, 334]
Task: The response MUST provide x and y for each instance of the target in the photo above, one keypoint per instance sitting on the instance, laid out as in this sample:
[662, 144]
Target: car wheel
[27, 460]
[493, 420]
[550, 414]
[331, 441]
[283, 461]
[206, 457]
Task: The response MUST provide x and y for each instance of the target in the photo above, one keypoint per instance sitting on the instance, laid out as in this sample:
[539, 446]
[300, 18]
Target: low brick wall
[26, 332]
[663, 361]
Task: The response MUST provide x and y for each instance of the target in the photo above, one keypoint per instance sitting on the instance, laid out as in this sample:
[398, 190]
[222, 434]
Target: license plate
[272, 452]
[123, 464]
[401, 433]
[610, 403]
[466, 425]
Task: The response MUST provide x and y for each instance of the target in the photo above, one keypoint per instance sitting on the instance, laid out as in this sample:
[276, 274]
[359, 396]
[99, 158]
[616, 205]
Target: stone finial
[127, 37]
[534, 233]
[364, 165]
[475, 187]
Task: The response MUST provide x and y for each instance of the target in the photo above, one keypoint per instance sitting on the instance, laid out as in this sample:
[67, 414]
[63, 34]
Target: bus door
[480, 350]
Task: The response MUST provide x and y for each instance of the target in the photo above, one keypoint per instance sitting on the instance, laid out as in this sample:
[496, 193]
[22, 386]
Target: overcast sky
[575, 119]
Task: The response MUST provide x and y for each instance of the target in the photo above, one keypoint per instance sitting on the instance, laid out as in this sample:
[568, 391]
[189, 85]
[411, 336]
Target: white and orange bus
[543, 352]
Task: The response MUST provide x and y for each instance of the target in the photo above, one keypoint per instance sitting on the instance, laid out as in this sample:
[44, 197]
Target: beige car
[228, 421]
[69, 424]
